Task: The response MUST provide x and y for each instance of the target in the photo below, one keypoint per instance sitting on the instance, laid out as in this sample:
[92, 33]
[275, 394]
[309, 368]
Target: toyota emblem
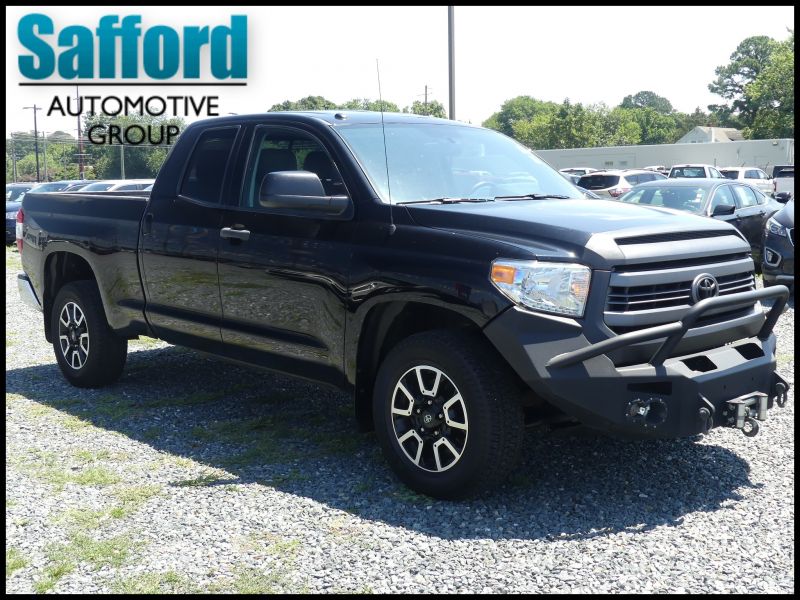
[704, 286]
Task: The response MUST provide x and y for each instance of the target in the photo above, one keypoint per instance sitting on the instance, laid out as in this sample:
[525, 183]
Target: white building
[701, 135]
[752, 153]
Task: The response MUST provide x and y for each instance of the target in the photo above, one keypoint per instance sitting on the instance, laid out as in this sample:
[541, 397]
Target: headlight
[551, 287]
[776, 228]
[11, 214]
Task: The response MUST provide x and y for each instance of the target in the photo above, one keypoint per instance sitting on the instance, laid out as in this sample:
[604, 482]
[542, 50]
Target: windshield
[688, 198]
[97, 187]
[428, 161]
[688, 172]
[730, 174]
[13, 193]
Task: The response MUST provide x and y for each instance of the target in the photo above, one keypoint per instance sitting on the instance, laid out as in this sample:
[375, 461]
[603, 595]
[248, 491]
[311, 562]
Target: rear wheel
[447, 414]
[88, 352]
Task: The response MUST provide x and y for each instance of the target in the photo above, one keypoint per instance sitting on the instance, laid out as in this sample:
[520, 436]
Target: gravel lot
[191, 474]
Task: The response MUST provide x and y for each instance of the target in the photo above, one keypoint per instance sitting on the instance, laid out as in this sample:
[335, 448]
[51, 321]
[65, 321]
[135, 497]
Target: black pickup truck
[456, 284]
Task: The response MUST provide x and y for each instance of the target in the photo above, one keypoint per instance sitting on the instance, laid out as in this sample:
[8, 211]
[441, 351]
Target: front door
[283, 277]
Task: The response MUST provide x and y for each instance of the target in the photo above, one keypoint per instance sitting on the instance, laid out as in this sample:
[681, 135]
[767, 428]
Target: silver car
[612, 184]
[752, 175]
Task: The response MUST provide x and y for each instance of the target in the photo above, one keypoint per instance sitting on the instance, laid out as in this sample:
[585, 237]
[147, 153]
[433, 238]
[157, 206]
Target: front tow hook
[745, 411]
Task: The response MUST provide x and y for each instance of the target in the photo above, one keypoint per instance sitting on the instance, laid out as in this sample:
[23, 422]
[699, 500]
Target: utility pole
[122, 160]
[80, 141]
[44, 141]
[452, 61]
[35, 137]
[426, 99]
[14, 157]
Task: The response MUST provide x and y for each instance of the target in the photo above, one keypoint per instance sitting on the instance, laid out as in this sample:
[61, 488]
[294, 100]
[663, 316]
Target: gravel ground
[193, 475]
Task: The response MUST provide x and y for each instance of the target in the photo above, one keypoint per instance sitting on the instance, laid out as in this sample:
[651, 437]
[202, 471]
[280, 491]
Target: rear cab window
[207, 165]
[731, 173]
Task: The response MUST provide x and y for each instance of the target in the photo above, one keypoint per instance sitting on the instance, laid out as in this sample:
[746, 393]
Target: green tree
[366, 104]
[307, 103]
[434, 108]
[772, 92]
[746, 63]
[521, 108]
[141, 161]
[647, 99]
[620, 128]
[656, 127]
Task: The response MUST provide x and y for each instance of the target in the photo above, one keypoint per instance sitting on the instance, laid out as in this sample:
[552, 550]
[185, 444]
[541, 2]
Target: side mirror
[299, 190]
[723, 209]
[783, 197]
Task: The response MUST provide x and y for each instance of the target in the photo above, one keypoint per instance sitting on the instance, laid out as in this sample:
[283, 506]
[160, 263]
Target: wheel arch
[386, 324]
[61, 268]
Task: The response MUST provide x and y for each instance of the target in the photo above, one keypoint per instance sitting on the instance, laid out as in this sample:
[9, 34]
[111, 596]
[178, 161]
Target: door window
[722, 197]
[745, 196]
[287, 149]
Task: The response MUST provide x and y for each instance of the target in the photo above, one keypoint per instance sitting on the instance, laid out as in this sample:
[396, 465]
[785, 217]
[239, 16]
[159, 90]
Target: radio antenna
[392, 227]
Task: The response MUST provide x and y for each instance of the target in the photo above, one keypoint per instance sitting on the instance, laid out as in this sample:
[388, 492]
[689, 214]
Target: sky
[587, 54]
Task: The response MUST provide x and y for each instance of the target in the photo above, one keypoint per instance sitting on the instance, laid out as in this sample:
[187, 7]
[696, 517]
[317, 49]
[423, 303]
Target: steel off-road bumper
[669, 396]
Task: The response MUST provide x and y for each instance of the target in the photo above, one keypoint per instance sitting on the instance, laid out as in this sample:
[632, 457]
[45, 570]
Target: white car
[118, 185]
[614, 183]
[752, 175]
[577, 170]
[695, 170]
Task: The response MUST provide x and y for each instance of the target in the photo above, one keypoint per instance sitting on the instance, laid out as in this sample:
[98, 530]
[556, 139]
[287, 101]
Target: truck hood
[600, 233]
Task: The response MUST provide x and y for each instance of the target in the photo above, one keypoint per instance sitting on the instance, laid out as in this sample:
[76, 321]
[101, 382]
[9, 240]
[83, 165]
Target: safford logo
[162, 51]
[704, 286]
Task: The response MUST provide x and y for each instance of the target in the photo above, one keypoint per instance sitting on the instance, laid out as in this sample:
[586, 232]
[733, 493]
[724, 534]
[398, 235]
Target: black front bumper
[11, 231]
[667, 397]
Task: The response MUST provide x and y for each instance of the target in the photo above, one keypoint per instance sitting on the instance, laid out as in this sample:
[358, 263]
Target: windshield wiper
[533, 197]
[448, 200]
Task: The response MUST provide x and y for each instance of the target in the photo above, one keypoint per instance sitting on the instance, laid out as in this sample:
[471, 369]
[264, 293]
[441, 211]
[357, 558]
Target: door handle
[147, 226]
[234, 234]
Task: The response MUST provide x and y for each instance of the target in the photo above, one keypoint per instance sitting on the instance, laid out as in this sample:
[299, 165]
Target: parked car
[695, 172]
[577, 170]
[612, 184]
[77, 186]
[778, 260]
[51, 186]
[740, 204]
[15, 190]
[573, 179]
[118, 185]
[783, 181]
[300, 243]
[752, 175]
[11, 220]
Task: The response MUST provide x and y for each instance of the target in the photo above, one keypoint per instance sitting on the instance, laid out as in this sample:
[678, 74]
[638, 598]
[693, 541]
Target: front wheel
[88, 352]
[447, 414]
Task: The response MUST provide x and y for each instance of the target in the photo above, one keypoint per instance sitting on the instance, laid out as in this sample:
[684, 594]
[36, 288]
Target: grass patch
[151, 433]
[785, 357]
[145, 342]
[203, 480]
[249, 580]
[13, 259]
[74, 423]
[47, 467]
[155, 583]
[81, 548]
[131, 498]
[14, 561]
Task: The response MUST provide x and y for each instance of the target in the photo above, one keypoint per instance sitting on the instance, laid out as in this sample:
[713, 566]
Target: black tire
[96, 360]
[489, 405]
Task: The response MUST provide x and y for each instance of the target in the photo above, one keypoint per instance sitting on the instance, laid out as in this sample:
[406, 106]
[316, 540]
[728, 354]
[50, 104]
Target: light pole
[80, 141]
[451, 47]
[35, 137]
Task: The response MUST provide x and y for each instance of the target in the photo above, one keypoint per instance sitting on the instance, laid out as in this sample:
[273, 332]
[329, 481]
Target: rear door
[179, 245]
[284, 277]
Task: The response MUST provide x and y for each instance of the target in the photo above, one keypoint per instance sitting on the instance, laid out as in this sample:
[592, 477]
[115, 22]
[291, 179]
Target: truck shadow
[248, 426]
